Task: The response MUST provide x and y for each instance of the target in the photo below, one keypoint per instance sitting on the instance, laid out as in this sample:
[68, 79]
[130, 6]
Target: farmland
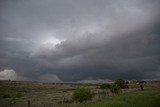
[35, 94]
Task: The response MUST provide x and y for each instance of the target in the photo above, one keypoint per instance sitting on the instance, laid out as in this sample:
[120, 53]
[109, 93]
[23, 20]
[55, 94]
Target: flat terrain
[148, 98]
[34, 94]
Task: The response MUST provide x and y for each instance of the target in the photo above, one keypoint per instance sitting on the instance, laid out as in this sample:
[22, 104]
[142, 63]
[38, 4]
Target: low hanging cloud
[49, 78]
[8, 74]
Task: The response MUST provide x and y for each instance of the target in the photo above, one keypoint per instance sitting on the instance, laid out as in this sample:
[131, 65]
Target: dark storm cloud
[88, 39]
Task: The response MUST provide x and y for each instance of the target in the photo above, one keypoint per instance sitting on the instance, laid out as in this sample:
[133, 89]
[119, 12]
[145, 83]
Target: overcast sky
[75, 40]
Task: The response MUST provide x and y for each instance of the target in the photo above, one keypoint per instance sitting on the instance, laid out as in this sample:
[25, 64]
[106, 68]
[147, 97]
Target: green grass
[149, 98]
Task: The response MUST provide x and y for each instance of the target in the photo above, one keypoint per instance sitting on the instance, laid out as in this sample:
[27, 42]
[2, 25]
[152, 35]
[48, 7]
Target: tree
[114, 88]
[105, 86]
[121, 83]
[82, 94]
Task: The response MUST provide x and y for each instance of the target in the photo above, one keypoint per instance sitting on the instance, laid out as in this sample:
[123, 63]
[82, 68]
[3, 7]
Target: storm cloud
[76, 40]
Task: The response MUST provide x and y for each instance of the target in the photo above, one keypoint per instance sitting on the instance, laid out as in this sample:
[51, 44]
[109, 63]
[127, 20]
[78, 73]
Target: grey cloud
[49, 78]
[136, 55]
[97, 39]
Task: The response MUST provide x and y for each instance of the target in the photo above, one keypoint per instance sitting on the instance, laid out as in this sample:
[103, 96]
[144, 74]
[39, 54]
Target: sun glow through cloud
[52, 41]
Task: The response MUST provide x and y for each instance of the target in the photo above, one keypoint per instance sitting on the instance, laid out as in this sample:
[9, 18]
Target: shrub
[105, 86]
[115, 88]
[82, 94]
[19, 95]
[6, 95]
[121, 83]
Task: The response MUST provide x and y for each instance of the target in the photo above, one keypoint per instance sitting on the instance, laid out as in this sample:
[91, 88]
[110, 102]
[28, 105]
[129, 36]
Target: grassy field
[148, 98]
[20, 94]
[17, 94]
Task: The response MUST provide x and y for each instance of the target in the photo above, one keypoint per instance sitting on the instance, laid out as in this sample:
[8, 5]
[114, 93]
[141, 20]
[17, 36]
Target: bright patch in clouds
[52, 41]
[7, 74]
[10, 74]
[48, 45]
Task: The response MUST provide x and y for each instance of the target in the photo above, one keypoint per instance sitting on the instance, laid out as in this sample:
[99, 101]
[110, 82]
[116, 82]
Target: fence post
[28, 103]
